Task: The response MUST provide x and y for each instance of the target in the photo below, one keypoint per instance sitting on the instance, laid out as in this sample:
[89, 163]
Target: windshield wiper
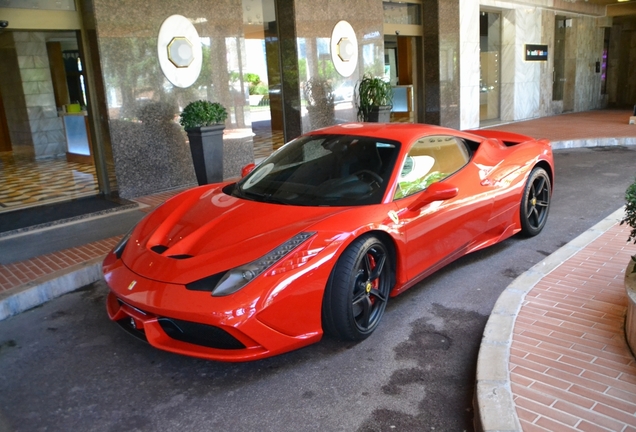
[261, 197]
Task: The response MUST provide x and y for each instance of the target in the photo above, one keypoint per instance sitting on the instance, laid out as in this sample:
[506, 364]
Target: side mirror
[438, 191]
[247, 169]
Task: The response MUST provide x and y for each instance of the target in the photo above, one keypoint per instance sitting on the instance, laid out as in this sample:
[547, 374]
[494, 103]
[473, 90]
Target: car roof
[393, 131]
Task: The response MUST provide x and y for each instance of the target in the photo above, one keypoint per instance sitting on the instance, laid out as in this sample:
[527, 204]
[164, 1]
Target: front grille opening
[199, 334]
[126, 324]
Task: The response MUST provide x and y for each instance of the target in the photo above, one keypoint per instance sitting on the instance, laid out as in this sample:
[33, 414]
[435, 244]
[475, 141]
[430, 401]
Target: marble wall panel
[469, 67]
[546, 107]
[149, 148]
[528, 31]
[508, 64]
[469, 107]
[507, 101]
[526, 99]
[449, 63]
[589, 50]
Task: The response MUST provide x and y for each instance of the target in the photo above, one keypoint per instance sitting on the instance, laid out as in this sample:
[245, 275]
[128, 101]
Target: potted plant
[203, 121]
[630, 272]
[320, 102]
[375, 99]
[630, 216]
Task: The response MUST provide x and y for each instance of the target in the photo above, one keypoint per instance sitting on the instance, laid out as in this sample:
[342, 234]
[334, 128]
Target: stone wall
[28, 95]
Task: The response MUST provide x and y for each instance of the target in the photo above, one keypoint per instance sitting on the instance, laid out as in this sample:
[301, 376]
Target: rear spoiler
[508, 138]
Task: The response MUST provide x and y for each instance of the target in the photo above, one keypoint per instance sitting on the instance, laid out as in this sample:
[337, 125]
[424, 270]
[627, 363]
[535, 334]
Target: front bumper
[233, 328]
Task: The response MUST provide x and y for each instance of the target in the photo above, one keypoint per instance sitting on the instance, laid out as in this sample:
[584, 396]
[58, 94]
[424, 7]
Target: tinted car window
[323, 170]
[430, 159]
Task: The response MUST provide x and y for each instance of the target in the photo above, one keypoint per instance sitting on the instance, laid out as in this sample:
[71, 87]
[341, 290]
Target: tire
[535, 203]
[358, 290]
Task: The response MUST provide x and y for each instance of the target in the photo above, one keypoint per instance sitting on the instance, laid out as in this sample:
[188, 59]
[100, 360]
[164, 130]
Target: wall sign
[536, 52]
[179, 51]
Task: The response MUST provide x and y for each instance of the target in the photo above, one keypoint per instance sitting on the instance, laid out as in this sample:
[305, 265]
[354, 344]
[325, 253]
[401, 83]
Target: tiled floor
[570, 366]
[25, 182]
[266, 140]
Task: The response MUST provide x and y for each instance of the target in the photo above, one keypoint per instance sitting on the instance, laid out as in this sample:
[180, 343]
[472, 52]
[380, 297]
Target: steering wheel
[367, 176]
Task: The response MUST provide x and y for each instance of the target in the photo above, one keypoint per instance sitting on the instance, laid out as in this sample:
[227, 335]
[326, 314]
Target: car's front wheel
[358, 290]
[535, 203]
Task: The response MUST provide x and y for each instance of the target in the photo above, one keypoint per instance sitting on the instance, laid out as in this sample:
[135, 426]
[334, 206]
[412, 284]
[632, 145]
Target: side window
[429, 160]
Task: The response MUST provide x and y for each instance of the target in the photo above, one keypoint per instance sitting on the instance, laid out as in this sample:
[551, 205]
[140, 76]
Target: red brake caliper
[375, 283]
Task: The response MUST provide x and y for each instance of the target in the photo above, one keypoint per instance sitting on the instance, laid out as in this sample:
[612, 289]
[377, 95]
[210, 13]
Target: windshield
[323, 170]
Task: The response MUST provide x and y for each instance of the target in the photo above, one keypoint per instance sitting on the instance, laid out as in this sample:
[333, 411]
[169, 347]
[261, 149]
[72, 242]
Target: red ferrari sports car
[318, 236]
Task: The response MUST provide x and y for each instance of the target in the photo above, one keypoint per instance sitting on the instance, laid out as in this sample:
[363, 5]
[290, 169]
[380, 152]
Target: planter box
[380, 114]
[206, 146]
[630, 318]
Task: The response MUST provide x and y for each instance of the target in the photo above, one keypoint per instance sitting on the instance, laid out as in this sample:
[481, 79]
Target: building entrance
[402, 54]
[45, 150]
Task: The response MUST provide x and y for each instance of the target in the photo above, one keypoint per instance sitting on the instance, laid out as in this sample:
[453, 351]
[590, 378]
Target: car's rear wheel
[535, 203]
[358, 290]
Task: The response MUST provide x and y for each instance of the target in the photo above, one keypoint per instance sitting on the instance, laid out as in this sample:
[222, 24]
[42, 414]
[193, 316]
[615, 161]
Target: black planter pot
[206, 145]
[379, 114]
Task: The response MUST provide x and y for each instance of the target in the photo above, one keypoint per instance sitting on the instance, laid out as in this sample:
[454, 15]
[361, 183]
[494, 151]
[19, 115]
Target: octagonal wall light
[179, 51]
[344, 48]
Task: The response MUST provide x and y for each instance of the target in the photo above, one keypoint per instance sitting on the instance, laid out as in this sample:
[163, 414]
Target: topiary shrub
[202, 113]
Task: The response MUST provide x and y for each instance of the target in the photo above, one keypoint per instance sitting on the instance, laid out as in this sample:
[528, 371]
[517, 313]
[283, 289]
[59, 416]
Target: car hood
[204, 231]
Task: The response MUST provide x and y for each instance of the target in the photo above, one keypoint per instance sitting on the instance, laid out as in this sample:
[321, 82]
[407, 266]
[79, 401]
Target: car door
[441, 229]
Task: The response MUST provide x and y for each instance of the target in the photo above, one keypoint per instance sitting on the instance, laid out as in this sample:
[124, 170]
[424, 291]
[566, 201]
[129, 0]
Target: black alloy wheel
[535, 203]
[358, 290]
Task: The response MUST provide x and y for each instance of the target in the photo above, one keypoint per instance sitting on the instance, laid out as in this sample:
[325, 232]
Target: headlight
[238, 277]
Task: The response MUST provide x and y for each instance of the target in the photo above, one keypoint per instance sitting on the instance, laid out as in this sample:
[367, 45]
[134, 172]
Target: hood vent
[159, 249]
[180, 257]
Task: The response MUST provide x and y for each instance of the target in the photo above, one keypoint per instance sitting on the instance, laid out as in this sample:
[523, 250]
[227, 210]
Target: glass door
[558, 76]
[490, 53]
[260, 75]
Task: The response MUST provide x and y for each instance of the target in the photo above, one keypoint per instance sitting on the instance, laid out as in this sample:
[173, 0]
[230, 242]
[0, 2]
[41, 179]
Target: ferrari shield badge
[132, 285]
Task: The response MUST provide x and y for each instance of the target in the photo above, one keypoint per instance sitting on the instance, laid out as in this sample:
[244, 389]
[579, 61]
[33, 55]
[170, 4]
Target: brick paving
[18, 274]
[576, 126]
[570, 366]
[23, 272]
